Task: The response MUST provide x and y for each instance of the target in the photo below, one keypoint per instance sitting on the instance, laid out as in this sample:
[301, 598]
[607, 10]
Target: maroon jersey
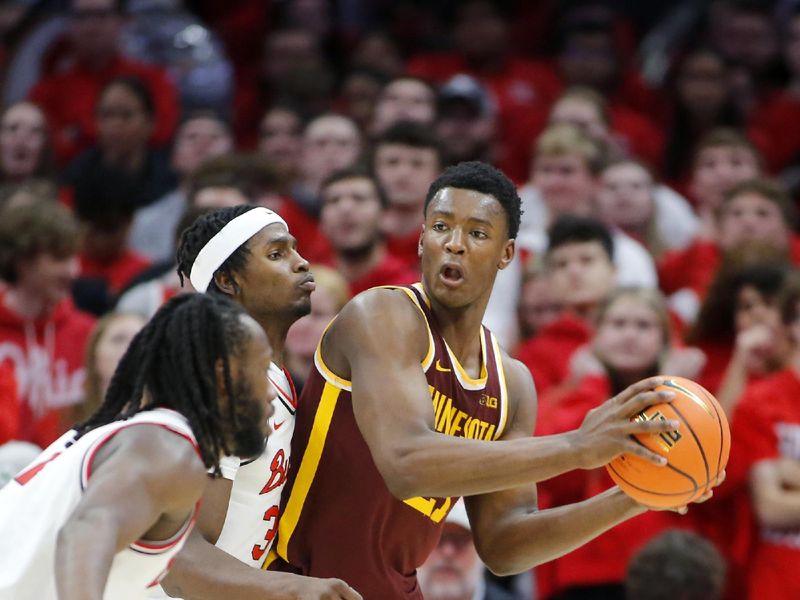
[339, 518]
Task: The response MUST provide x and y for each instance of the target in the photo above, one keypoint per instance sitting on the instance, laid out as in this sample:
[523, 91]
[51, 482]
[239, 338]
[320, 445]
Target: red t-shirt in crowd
[766, 425]
[774, 128]
[9, 404]
[47, 355]
[694, 267]
[116, 274]
[405, 249]
[69, 99]
[547, 355]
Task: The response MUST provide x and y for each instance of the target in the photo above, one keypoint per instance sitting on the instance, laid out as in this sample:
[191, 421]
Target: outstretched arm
[204, 572]
[394, 412]
[142, 473]
[510, 534]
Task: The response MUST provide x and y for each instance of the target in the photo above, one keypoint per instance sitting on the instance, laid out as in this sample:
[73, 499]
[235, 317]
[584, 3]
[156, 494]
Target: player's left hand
[682, 510]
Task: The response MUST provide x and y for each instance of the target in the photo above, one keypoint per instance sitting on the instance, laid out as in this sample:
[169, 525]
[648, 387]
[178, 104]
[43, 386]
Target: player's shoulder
[157, 448]
[385, 305]
[379, 320]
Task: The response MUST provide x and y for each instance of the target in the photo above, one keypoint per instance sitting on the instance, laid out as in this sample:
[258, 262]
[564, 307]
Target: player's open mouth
[451, 274]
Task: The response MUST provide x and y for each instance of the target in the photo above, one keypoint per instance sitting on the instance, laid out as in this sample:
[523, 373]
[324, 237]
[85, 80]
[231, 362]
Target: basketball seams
[691, 493]
[721, 433]
[696, 441]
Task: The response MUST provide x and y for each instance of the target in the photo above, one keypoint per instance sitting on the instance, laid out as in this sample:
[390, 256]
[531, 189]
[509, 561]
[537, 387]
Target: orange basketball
[696, 452]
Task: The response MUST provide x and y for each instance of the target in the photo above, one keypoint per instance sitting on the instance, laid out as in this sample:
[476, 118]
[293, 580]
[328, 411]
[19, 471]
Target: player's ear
[226, 284]
[419, 242]
[508, 254]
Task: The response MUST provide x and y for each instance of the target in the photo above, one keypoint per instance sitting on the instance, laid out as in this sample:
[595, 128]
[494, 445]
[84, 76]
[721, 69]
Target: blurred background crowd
[656, 146]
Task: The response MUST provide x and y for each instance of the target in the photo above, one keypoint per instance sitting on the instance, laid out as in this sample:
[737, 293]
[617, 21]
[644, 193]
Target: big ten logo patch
[488, 401]
[666, 439]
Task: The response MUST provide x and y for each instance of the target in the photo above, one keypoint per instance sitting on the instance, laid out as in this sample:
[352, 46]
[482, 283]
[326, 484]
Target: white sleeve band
[226, 241]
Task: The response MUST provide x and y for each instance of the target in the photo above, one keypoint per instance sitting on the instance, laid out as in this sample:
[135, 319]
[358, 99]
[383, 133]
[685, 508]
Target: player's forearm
[521, 543]
[84, 553]
[435, 465]
[204, 572]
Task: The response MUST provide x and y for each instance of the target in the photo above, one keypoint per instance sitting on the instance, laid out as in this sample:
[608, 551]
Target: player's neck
[461, 329]
[276, 329]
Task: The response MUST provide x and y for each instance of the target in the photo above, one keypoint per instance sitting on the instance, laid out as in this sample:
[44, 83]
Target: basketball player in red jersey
[372, 476]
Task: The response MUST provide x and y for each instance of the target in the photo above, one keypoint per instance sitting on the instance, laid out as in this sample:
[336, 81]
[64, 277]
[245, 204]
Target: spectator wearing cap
[70, 93]
[466, 121]
[454, 571]
[202, 136]
[352, 209]
[42, 334]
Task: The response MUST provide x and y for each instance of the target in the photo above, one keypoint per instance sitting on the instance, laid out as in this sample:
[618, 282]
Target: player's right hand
[606, 430]
[326, 589]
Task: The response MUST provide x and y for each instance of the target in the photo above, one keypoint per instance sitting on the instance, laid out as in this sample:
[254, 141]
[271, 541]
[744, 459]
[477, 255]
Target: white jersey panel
[37, 503]
[252, 519]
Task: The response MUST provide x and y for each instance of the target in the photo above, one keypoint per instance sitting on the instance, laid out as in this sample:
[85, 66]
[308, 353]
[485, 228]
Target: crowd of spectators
[656, 148]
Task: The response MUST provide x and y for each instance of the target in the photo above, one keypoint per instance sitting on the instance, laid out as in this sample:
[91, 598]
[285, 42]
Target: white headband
[226, 241]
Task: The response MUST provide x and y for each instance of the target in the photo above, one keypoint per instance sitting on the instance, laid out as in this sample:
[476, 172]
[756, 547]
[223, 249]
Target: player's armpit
[214, 508]
[378, 342]
[494, 516]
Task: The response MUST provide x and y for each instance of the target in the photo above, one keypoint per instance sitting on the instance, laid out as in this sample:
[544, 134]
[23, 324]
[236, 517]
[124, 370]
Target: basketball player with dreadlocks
[103, 510]
[247, 254]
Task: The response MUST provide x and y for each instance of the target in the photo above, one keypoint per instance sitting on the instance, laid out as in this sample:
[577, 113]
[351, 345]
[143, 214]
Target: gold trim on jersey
[467, 382]
[307, 470]
[428, 360]
[501, 376]
[323, 369]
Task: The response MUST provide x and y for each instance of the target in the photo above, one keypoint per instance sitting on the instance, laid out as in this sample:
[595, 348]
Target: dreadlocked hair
[200, 233]
[173, 359]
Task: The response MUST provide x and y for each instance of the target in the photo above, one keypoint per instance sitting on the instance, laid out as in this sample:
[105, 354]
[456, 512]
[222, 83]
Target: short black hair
[484, 178]
[355, 172]
[676, 564]
[409, 133]
[106, 197]
[137, 87]
[200, 233]
[572, 229]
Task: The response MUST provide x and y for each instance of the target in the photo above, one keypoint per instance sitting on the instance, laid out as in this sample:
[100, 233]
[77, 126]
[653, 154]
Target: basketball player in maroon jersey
[372, 476]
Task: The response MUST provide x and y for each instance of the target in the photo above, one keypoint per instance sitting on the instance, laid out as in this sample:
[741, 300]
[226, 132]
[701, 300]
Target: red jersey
[339, 519]
[766, 425]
